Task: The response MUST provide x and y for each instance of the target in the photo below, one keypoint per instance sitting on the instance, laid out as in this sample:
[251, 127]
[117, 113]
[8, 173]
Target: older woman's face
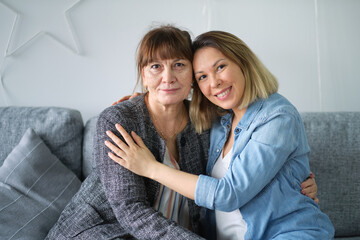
[168, 81]
[219, 79]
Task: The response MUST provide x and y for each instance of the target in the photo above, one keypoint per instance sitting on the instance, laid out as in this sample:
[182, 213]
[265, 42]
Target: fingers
[138, 139]
[312, 189]
[115, 103]
[311, 193]
[135, 94]
[122, 99]
[313, 196]
[116, 140]
[128, 139]
[126, 98]
[118, 151]
[309, 186]
[308, 182]
[117, 159]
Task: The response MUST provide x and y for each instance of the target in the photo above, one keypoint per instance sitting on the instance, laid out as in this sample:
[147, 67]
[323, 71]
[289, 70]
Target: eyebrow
[215, 63]
[178, 59]
[158, 60]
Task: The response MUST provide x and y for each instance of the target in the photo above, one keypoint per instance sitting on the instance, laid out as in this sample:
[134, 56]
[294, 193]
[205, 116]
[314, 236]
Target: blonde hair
[164, 42]
[259, 81]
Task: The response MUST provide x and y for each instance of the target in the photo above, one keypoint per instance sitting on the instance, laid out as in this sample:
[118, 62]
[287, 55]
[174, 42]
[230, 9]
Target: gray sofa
[41, 169]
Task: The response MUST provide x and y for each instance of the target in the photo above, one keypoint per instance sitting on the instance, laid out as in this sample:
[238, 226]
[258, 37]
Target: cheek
[186, 77]
[204, 88]
[150, 80]
[146, 77]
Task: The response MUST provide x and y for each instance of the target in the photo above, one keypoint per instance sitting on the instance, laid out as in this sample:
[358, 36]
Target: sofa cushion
[34, 189]
[88, 146]
[334, 140]
[60, 128]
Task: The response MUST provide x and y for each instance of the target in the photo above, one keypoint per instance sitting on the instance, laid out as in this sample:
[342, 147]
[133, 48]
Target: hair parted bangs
[162, 43]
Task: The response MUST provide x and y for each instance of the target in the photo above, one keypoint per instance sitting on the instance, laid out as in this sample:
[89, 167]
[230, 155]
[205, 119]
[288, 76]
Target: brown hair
[259, 81]
[164, 42]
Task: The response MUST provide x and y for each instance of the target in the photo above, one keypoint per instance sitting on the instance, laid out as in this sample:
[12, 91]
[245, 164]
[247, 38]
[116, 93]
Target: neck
[168, 112]
[168, 120]
[238, 114]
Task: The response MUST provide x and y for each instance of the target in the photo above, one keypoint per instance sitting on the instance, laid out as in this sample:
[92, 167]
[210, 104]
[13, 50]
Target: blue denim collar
[248, 117]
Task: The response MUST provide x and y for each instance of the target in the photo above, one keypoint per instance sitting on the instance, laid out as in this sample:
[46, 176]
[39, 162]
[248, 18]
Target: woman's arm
[137, 158]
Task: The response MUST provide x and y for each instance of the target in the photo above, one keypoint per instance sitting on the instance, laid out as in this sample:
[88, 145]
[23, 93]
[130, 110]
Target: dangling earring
[146, 88]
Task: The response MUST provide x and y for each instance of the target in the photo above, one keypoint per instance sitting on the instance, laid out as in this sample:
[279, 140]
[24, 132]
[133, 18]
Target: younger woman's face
[220, 79]
[168, 81]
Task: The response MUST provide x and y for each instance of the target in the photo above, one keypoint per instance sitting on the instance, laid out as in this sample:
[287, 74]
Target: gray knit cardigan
[115, 203]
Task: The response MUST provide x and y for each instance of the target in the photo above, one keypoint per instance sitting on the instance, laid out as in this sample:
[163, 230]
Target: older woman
[114, 202]
[258, 149]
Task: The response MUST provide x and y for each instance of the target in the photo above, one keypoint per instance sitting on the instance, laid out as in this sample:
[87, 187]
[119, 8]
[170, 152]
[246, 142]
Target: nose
[214, 81]
[168, 76]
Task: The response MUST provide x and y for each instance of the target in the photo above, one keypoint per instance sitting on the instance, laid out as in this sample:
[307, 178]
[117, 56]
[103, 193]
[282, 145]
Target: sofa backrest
[60, 128]
[334, 140]
[88, 146]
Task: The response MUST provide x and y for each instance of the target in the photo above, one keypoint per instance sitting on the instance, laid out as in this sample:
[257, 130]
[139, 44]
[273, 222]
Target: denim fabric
[269, 162]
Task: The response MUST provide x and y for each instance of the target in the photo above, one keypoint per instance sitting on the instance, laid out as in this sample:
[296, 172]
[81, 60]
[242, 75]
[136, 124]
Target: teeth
[223, 93]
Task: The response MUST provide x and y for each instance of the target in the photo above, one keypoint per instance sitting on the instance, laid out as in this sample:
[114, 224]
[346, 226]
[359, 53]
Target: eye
[179, 65]
[220, 67]
[202, 77]
[155, 66]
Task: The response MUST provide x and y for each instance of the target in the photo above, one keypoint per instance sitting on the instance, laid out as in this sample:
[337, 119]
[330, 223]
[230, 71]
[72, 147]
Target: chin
[172, 101]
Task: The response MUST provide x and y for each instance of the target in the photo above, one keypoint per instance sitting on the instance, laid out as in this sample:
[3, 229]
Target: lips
[170, 89]
[223, 93]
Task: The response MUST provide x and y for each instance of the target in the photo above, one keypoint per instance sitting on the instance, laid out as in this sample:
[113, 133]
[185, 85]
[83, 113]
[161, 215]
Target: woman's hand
[126, 98]
[309, 188]
[134, 156]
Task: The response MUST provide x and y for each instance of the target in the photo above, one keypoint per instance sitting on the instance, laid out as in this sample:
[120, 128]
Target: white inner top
[229, 225]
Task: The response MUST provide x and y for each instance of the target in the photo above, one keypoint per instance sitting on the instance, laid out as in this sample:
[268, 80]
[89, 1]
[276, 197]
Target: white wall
[83, 52]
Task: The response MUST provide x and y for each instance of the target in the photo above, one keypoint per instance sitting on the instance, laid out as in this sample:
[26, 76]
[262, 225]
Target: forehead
[164, 52]
[208, 51]
[207, 56]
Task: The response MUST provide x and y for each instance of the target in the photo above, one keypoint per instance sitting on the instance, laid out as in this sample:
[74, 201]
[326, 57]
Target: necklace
[163, 135]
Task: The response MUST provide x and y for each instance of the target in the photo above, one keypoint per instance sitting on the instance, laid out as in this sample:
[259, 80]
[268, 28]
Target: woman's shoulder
[129, 111]
[277, 104]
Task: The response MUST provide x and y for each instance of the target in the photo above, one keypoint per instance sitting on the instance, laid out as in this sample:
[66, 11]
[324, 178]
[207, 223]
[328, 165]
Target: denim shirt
[270, 160]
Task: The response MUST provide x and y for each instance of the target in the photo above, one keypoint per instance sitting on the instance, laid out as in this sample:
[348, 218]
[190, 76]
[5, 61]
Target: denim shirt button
[217, 150]
[228, 126]
[237, 130]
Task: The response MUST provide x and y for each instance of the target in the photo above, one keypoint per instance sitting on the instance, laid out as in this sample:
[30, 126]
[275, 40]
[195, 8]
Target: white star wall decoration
[43, 18]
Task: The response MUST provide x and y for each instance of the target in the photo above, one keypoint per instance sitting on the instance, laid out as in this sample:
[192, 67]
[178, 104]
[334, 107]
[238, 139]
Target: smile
[224, 93]
[170, 90]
